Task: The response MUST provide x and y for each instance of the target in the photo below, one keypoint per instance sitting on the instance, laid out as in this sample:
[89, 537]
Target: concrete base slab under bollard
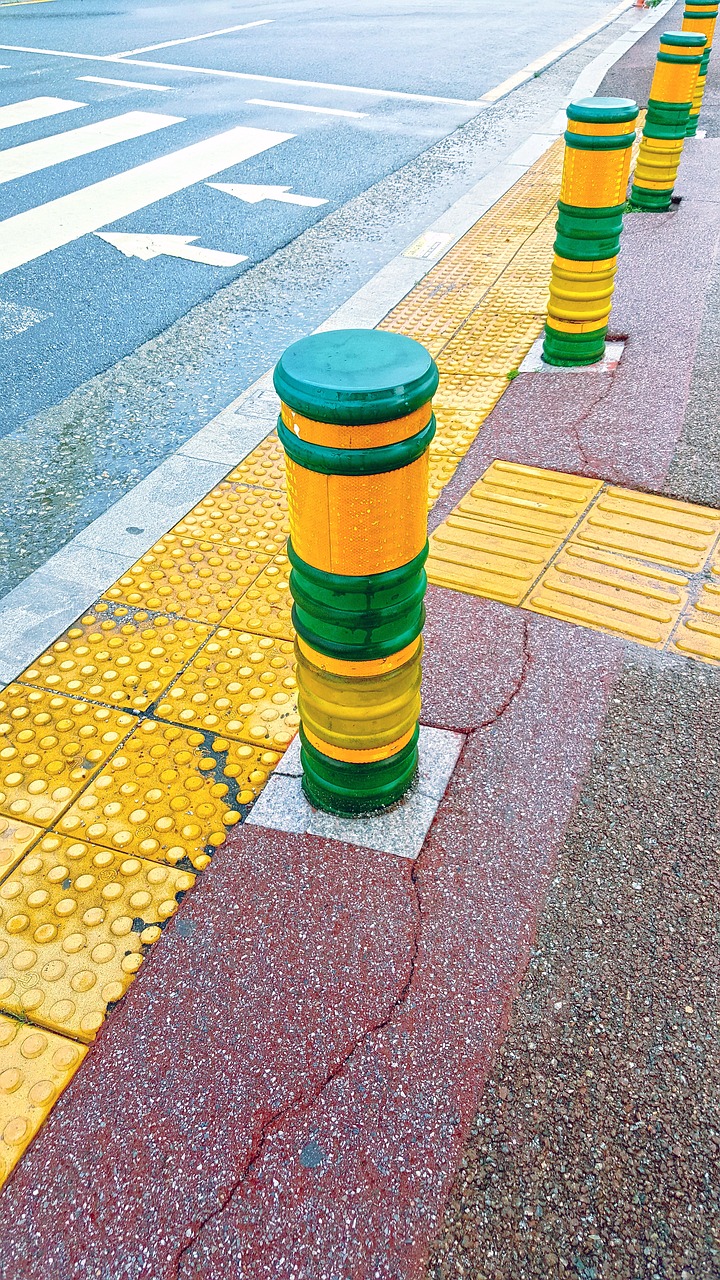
[399, 830]
[534, 363]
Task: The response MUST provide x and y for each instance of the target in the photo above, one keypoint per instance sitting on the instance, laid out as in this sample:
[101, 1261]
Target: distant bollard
[598, 144]
[671, 97]
[356, 425]
[699, 18]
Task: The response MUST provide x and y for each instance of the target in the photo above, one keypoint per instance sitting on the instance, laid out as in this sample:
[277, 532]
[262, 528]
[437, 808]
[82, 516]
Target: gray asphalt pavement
[97, 383]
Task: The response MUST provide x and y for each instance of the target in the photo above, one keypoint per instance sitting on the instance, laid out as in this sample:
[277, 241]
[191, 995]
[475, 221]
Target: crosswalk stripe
[30, 157]
[30, 235]
[35, 109]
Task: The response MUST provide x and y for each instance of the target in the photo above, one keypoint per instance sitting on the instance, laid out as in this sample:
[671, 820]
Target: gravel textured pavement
[595, 1151]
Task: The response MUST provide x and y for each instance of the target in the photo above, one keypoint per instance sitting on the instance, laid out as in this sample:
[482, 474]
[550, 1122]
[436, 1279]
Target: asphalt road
[74, 308]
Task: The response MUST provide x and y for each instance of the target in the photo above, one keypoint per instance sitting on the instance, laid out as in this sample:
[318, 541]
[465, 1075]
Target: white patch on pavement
[15, 319]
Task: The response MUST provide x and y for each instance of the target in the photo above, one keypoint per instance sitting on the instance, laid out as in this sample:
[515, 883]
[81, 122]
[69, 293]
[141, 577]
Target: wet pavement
[332, 1055]
[65, 466]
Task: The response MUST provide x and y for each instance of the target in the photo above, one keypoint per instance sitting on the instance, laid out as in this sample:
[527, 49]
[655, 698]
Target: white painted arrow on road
[254, 195]
[146, 247]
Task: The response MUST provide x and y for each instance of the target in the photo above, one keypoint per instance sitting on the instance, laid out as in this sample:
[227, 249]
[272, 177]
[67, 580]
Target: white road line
[127, 84]
[29, 235]
[302, 106]
[246, 75]
[307, 84]
[167, 44]
[31, 157]
[56, 53]
[35, 109]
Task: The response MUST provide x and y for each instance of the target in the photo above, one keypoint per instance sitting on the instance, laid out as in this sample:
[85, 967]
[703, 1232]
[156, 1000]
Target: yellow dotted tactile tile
[655, 528]
[521, 223]
[241, 685]
[250, 768]
[457, 428]
[264, 467]
[200, 579]
[611, 593]
[35, 1067]
[507, 338]
[256, 517]
[75, 921]
[118, 655]
[506, 529]
[49, 746]
[15, 840]
[160, 796]
[442, 468]
[266, 606]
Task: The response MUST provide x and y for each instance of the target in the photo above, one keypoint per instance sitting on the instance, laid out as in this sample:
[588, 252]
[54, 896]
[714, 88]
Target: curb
[35, 612]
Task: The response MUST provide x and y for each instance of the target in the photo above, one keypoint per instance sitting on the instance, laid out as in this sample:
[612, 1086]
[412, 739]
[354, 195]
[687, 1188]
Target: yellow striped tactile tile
[140, 736]
[637, 565]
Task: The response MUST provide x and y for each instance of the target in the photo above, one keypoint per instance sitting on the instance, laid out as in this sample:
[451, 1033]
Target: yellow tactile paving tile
[521, 223]
[698, 635]
[506, 529]
[442, 468]
[161, 796]
[266, 606]
[256, 517]
[264, 467]
[15, 840]
[661, 530]
[202, 567]
[457, 428]
[75, 921]
[250, 768]
[118, 655]
[200, 579]
[611, 592]
[241, 685]
[50, 745]
[35, 1067]
[491, 342]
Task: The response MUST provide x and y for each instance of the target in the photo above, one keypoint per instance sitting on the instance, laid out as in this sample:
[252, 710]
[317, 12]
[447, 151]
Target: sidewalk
[288, 1086]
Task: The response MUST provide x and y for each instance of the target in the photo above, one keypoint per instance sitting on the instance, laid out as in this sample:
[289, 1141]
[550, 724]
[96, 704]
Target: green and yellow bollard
[699, 18]
[356, 423]
[671, 97]
[598, 141]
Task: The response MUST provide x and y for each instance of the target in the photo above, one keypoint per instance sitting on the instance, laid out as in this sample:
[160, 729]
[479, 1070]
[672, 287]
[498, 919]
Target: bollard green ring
[329, 461]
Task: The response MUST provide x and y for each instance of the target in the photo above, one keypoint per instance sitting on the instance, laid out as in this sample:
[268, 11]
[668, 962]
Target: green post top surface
[687, 39]
[356, 377]
[603, 111]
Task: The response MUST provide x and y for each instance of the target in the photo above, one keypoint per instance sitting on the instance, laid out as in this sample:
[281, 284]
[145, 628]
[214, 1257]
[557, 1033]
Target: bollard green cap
[603, 111]
[687, 39]
[356, 377]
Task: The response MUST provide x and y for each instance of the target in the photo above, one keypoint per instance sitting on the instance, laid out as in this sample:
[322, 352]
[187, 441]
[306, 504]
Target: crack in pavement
[525, 661]
[298, 1106]
[592, 467]
[524, 672]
